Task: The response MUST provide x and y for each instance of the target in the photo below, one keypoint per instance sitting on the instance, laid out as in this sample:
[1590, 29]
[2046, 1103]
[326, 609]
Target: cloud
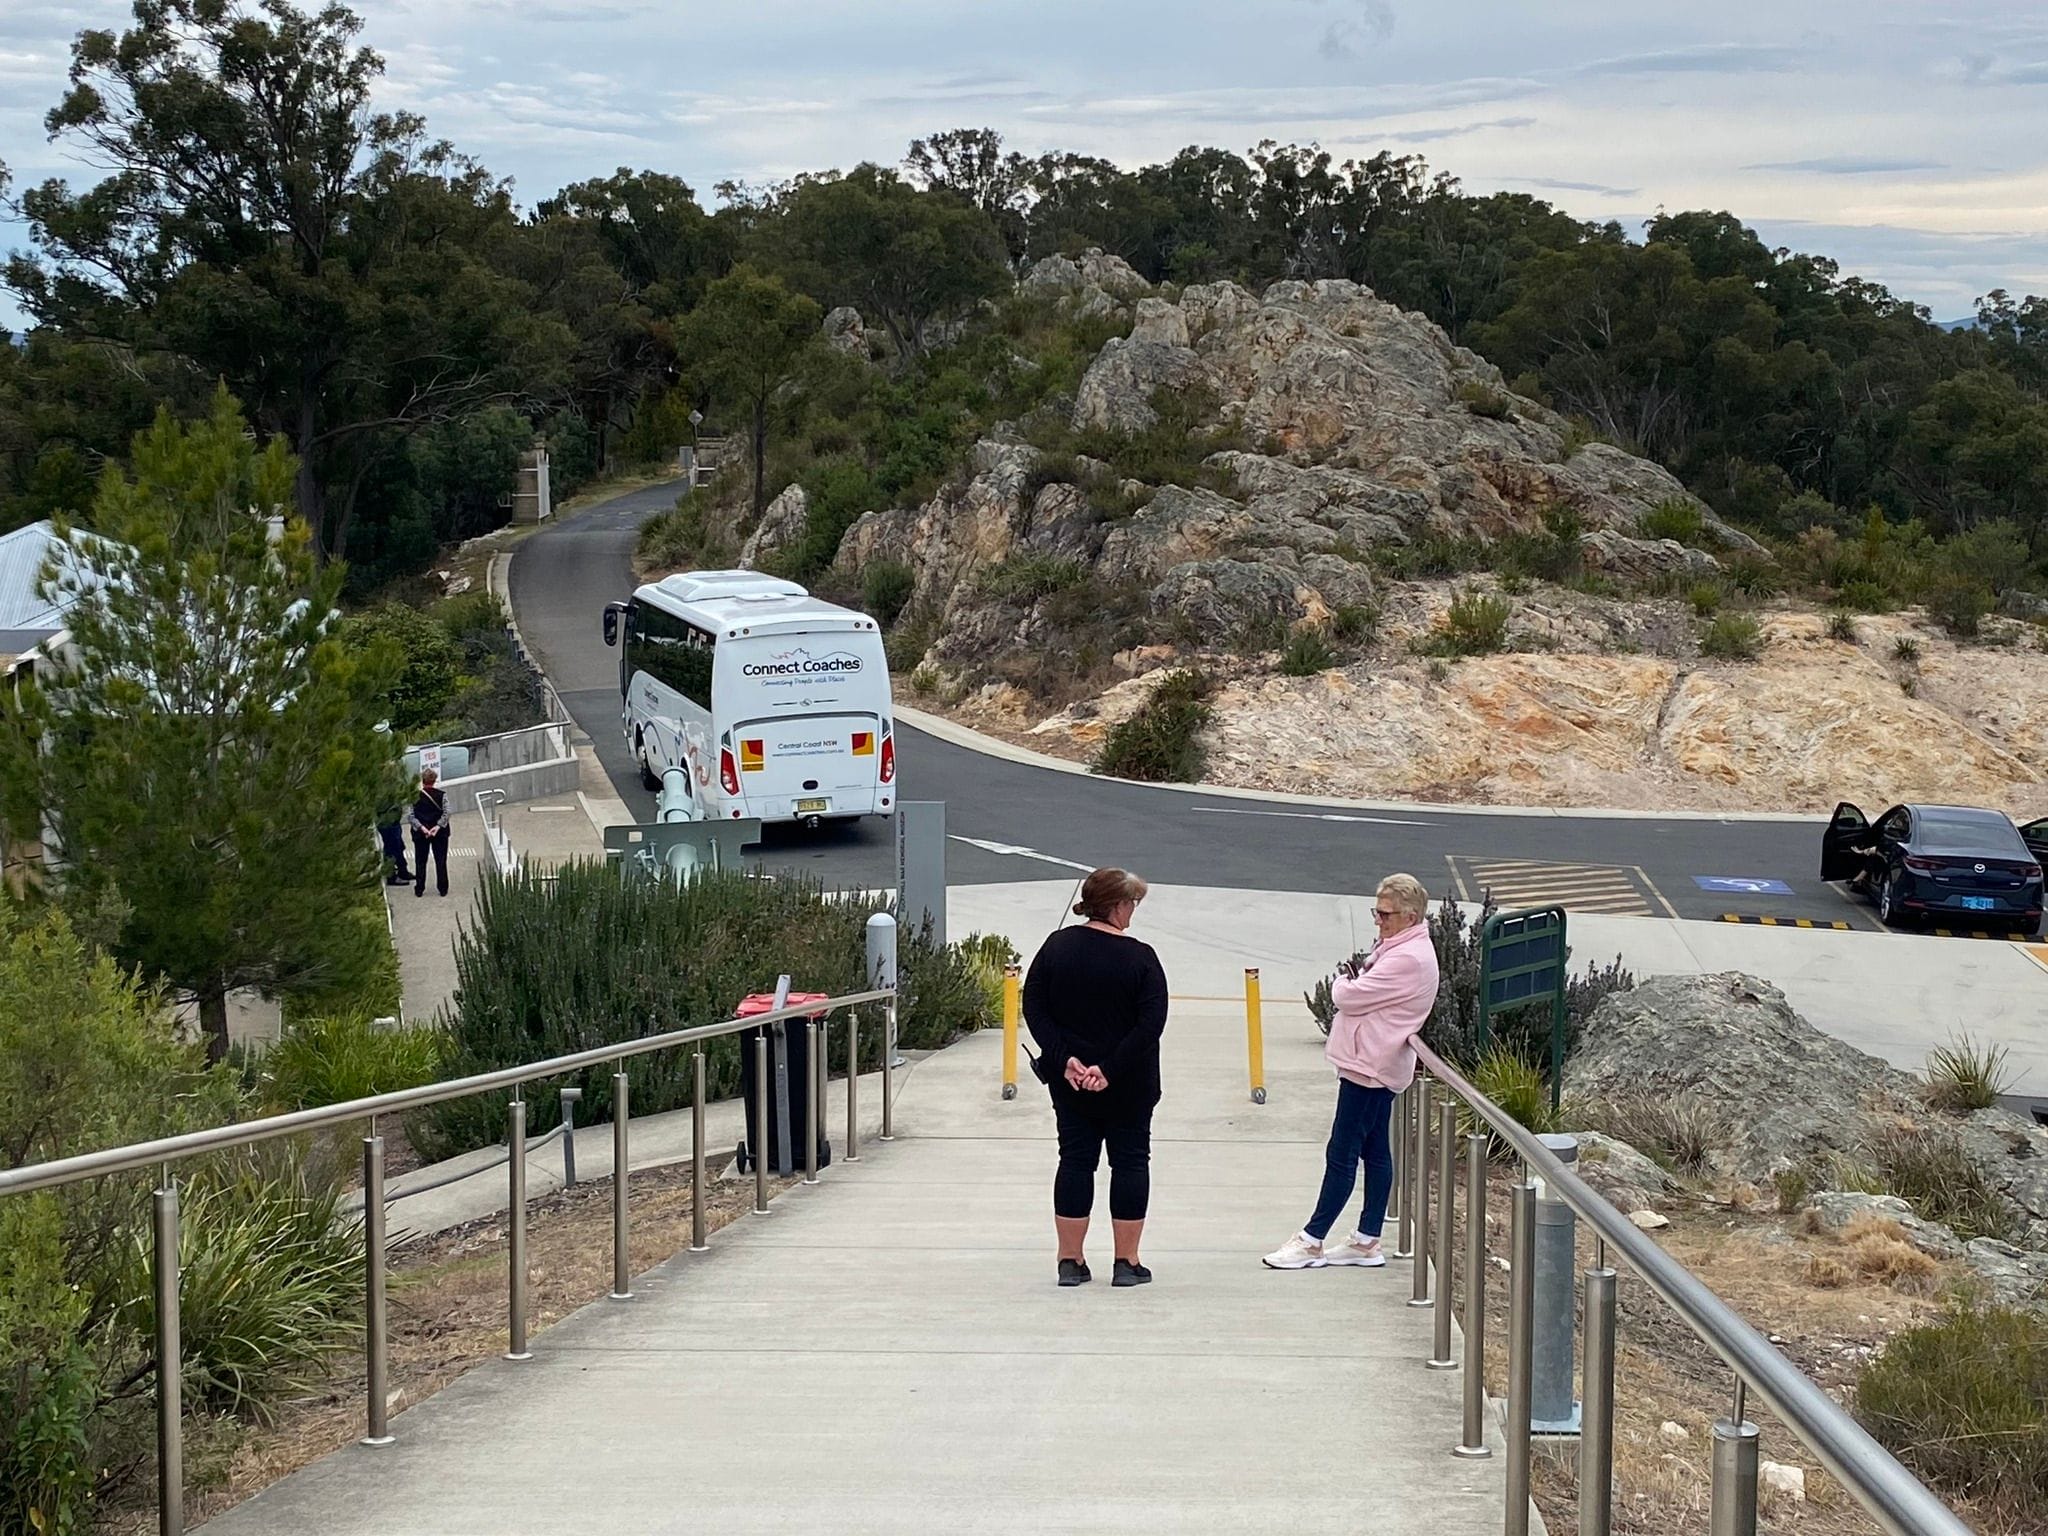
[1702, 59]
[1848, 165]
[1455, 131]
[1342, 38]
[1552, 184]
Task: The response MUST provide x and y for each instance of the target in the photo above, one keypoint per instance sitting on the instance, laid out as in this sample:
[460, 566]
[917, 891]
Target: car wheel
[1888, 911]
[649, 779]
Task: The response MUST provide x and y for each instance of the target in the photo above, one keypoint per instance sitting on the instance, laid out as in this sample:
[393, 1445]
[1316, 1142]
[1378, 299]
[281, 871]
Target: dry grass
[447, 1312]
[1811, 1295]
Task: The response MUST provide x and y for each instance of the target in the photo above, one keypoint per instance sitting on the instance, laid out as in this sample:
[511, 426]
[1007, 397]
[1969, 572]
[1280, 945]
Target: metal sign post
[785, 1159]
[921, 868]
[1522, 960]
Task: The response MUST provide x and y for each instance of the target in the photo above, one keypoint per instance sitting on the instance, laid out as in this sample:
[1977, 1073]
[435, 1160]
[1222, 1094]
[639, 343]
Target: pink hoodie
[1380, 1013]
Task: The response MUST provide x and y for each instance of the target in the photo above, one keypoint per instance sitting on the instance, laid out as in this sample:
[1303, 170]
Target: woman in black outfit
[1096, 1003]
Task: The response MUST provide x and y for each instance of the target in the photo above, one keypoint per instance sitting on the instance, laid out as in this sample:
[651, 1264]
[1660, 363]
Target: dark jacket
[1101, 998]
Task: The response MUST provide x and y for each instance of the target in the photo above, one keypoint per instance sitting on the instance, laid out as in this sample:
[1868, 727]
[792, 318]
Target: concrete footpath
[887, 1352]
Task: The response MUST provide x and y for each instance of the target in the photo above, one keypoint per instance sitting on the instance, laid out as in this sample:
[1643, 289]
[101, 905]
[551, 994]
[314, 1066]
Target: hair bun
[1080, 909]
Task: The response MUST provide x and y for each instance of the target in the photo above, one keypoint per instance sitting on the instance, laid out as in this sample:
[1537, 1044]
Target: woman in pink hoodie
[1381, 1007]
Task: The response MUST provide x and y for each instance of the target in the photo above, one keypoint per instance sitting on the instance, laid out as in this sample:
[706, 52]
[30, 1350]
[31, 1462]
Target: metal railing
[1899, 1502]
[166, 1152]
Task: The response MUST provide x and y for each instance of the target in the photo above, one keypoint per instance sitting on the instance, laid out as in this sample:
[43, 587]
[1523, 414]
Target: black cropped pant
[1082, 1137]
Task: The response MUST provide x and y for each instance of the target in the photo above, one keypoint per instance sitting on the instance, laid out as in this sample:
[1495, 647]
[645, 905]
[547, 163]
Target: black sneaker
[1128, 1273]
[1074, 1272]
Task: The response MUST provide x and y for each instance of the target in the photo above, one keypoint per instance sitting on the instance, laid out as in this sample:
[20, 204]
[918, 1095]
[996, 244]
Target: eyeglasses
[1383, 914]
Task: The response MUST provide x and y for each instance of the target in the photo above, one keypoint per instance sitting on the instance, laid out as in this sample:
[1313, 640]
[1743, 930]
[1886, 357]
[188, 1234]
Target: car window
[1898, 825]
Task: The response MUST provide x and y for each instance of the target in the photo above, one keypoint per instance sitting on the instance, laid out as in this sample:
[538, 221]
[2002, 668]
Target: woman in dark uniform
[1096, 1003]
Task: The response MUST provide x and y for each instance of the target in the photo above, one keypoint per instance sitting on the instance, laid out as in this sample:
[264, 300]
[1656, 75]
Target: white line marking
[1017, 851]
[1385, 821]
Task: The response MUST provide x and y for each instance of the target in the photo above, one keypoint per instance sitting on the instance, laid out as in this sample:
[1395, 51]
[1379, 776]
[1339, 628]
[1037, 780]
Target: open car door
[1847, 829]
[2035, 834]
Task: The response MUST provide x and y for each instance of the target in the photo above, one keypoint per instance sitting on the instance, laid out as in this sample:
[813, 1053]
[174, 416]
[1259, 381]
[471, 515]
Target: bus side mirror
[611, 624]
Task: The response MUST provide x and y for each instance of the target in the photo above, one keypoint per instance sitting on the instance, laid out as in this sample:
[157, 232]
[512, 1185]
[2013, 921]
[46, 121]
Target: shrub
[271, 1282]
[1435, 555]
[1966, 1075]
[1933, 1172]
[885, 589]
[1027, 578]
[432, 669]
[1866, 597]
[332, 1060]
[1483, 399]
[1880, 1251]
[1161, 742]
[1355, 623]
[1828, 1271]
[1306, 654]
[1792, 1187]
[1732, 637]
[905, 645]
[1958, 604]
[986, 955]
[1842, 627]
[1516, 1086]
[1706, 597]
[1476, 624]
[1905, 648]
[1577, 434]
[1681, 1135]
[1754, 576]
[1676, 517]
[582, 959]
[1963, 1401]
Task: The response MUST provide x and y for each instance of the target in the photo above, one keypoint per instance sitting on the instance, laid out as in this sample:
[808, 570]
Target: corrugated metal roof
[22, 604]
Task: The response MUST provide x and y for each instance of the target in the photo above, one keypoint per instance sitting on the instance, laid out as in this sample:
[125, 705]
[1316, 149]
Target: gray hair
[1406, 892]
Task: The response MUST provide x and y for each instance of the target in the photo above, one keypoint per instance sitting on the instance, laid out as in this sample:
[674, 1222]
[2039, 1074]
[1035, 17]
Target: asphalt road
[1053, 824]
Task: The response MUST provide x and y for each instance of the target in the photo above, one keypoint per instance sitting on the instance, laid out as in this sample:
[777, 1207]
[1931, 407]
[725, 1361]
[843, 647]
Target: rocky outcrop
[1831, 1210]
[1790, 1096]
[844, 332]
[1640, 562]
[782, 524]
[1629, 1181]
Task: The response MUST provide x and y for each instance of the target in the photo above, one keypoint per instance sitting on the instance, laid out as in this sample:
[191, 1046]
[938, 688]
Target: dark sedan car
[1971, 867]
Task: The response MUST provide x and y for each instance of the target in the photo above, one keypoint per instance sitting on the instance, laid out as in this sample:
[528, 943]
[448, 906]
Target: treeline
[379, 300]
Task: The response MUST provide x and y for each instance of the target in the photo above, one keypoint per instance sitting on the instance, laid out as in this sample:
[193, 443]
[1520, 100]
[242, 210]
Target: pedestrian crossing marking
[1615, 890]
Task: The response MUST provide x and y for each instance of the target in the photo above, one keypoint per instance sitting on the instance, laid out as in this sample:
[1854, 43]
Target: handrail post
[853, 1085]
[170, 1385]
[1446, 1197]
[814, 1072]
[1398, 1136]
[1418, 1192]
[622, 1279]
[376, 1333]
[697, 1243]
[1012, 1013]
[1735, 1470]
[1255, 1033]
[889, 1068]
[758, 1148]
[1474, 1446]
[516, 1255]
[1596, 1419]
[1521, 1345]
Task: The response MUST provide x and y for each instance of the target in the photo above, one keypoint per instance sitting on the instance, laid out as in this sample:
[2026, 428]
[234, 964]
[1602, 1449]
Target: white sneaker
[1298, 1252]
[1357, 1251]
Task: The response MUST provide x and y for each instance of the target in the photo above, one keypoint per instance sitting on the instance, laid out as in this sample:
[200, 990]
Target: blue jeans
[1359, 1131]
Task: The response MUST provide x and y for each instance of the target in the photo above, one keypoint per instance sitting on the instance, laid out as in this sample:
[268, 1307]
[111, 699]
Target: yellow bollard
[1254, 1034]
[1012, 1010]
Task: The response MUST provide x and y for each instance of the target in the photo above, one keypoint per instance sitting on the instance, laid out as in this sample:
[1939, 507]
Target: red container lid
[764, 1002]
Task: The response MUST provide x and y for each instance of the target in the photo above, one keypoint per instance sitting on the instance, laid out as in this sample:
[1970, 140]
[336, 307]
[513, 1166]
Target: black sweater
[1100, 997]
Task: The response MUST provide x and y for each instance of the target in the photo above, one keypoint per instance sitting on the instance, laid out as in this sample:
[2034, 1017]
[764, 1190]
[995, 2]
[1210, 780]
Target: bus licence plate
[806, 807]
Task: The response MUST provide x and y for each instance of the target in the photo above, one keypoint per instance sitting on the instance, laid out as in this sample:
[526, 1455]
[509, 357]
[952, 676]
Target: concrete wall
[525, 765]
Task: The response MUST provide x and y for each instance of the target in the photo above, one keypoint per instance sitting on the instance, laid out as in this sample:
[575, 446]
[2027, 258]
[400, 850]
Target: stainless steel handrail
[1894, 1497]
[168, 1150]
[171, 1149]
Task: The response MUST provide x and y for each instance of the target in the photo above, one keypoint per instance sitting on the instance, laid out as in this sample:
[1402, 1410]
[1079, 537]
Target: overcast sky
[1908, 145]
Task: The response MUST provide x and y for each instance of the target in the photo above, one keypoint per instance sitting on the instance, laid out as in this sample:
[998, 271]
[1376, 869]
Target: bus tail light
[889, 758]
[728, 771]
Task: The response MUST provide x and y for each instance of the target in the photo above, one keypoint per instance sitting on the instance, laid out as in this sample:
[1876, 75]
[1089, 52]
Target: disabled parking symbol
[1742, 885]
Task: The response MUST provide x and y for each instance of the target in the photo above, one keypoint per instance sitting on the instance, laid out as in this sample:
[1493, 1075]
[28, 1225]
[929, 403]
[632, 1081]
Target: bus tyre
[649, 779]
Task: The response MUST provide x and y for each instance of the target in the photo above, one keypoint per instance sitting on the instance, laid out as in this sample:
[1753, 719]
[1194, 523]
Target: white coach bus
[775, 703]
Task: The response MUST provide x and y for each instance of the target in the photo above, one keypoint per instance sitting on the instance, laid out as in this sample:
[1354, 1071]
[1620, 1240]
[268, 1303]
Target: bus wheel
[649, 779]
